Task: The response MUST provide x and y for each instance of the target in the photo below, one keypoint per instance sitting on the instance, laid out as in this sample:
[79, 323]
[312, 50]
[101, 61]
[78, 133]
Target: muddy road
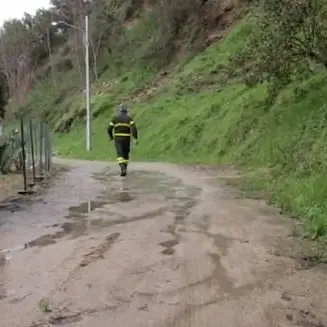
[166, 246]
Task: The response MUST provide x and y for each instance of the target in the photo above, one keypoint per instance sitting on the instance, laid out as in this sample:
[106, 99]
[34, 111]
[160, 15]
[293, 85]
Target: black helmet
[123, 108]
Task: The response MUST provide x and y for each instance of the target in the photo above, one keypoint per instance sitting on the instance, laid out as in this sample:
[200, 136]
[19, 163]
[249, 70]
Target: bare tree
[51, 59]
[18, 67]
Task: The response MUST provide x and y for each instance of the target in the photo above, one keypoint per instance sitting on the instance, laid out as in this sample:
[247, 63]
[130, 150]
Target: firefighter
[120, 130]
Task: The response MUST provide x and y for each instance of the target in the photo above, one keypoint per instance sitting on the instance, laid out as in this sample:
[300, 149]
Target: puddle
[74, 229]
[17, 203]
[81, 226]
[124, 220]
[86, 207]
[105, 198]
[114, 196]
[11, 207]
[148, 183]
[175, 197]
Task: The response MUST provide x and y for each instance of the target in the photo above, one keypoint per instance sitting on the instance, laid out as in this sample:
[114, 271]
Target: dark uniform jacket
[122, 126]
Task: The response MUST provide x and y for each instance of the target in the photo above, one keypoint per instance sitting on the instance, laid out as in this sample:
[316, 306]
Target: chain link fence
[27, 150]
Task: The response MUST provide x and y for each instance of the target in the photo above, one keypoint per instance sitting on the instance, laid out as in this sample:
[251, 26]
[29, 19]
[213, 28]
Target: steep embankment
[192, 114]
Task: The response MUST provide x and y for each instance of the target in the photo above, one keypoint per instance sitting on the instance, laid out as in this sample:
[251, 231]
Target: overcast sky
[16, 8]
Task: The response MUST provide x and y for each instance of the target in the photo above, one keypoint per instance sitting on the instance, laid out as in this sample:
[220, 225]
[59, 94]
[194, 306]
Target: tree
[3, 94]
[288, 37]
[16, 46]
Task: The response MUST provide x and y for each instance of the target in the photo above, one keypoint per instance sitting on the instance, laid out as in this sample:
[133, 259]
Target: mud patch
[98, 252]
[18, 203]
[219, 276]
[12, 203]
[9, 185]
[80, 225]
[3, 293]
[65, 317]
[168, 251]
[311, 261]
[143, 182]
[169, 246]
[42, 241]
[181, 210]
[59, 320]
[65, 320]
[123, 220]
[304, 318]
[76, 229]
[123, 195]
[105, 198]
[11, 206]
[306, 253]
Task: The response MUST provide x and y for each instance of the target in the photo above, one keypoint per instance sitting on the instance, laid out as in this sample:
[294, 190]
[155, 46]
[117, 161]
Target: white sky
[16, 8]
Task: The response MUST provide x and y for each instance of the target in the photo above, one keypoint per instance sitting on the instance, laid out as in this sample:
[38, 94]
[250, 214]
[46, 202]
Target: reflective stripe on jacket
[122, 125]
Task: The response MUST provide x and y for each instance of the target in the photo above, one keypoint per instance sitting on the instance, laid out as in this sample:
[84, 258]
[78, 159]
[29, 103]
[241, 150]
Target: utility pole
[87, 82]
[85, 33]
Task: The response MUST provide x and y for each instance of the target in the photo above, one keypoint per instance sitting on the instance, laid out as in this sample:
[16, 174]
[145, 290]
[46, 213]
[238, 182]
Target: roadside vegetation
[208, 82]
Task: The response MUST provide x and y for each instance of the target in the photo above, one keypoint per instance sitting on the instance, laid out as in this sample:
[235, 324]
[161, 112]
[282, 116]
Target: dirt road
[167, 246]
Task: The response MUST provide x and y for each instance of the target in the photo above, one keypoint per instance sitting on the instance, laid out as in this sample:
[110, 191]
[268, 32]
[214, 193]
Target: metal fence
[27, 149]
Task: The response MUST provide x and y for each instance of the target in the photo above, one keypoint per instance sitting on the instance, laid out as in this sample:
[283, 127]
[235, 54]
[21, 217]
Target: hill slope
[194, 117]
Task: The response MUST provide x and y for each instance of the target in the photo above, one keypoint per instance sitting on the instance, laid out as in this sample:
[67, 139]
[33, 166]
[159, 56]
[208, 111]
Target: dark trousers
[123, 145]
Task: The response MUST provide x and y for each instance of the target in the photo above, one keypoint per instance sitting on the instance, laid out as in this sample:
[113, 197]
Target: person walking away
[120, 130]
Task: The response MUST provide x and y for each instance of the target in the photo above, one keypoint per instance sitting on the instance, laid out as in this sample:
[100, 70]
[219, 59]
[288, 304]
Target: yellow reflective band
[122, 134]
[132, 122]
[122, 160]
[122, 125]
[111, 124]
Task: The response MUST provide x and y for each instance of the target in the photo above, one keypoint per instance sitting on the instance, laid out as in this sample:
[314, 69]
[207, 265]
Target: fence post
[41, 150]
[32, 151]
[48, 146]
[50, 149]
[47, 138]
[36, 143]
[23, 153]
[45, 148]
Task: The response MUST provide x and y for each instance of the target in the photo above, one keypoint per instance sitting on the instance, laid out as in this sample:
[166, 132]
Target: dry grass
[10, 185]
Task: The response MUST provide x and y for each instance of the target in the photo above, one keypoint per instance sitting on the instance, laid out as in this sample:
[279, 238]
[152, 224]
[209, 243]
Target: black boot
[123, 170]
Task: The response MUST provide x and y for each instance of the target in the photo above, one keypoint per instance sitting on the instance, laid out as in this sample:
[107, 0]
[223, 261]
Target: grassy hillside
[195, 115]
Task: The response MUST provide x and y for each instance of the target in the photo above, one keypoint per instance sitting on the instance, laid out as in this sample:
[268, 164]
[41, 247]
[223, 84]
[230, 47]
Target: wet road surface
[165, 246]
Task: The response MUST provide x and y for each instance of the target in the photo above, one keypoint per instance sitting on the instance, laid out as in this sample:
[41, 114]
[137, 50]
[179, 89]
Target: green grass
[195, 119]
